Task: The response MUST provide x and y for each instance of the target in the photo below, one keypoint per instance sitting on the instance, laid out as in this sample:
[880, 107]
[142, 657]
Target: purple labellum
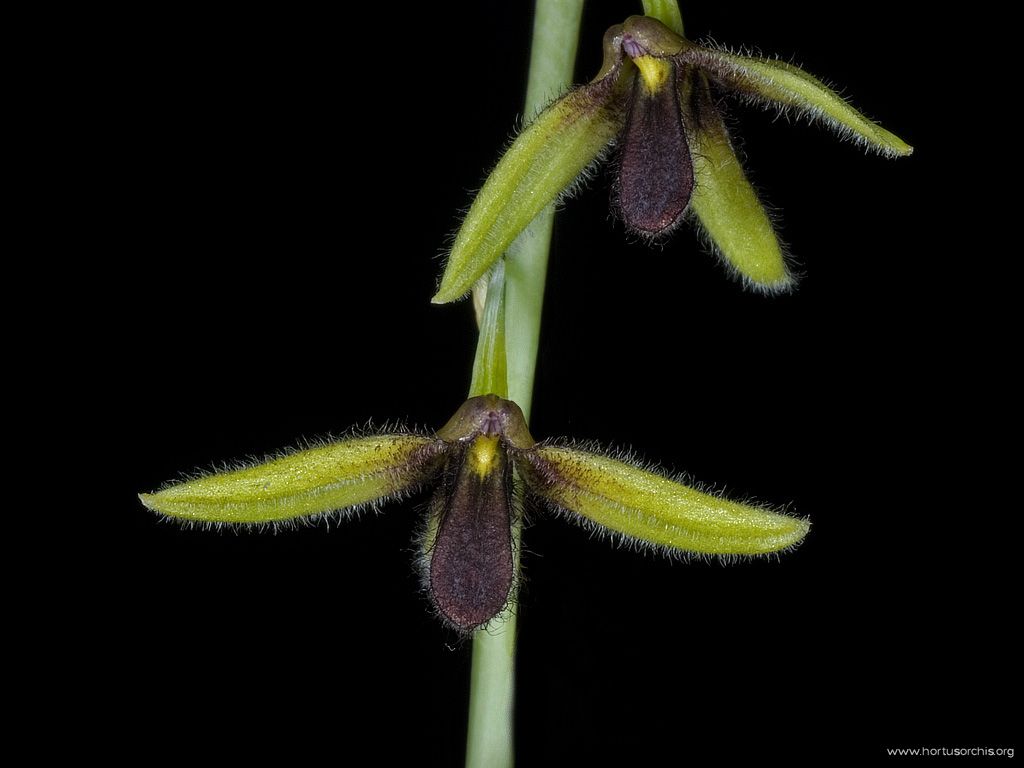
[471, 564]
[655, 167]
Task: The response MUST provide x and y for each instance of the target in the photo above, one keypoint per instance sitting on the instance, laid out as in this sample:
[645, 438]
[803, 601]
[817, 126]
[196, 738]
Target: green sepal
[775, 83]
[542, 163]
[667, 12]
[337, 476]
[724, 201]
[649, 508]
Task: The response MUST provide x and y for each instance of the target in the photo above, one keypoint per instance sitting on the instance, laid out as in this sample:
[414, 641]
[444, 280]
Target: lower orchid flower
[468, 557]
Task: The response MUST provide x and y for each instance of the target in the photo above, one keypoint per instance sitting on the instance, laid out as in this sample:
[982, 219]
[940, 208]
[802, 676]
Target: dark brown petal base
[655, 167]
[471, 563]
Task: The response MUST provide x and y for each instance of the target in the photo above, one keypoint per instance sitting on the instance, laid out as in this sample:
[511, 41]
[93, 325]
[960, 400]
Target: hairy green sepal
[338, 476]
[653, 509]
[542, 162]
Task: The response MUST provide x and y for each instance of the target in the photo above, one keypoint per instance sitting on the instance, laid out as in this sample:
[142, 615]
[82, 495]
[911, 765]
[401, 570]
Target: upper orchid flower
[654, 98]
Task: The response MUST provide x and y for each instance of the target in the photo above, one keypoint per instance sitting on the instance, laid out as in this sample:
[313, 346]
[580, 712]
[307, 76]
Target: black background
[291, 181]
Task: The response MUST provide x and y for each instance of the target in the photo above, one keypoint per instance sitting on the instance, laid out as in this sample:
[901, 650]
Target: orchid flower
[468, 560]
[655, 99]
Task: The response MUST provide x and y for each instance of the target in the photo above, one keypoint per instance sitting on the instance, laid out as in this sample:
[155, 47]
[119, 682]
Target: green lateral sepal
[650, 508]
[336, 476]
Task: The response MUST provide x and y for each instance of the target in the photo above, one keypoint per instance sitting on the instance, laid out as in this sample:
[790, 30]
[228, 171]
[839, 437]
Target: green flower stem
[556, 26]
